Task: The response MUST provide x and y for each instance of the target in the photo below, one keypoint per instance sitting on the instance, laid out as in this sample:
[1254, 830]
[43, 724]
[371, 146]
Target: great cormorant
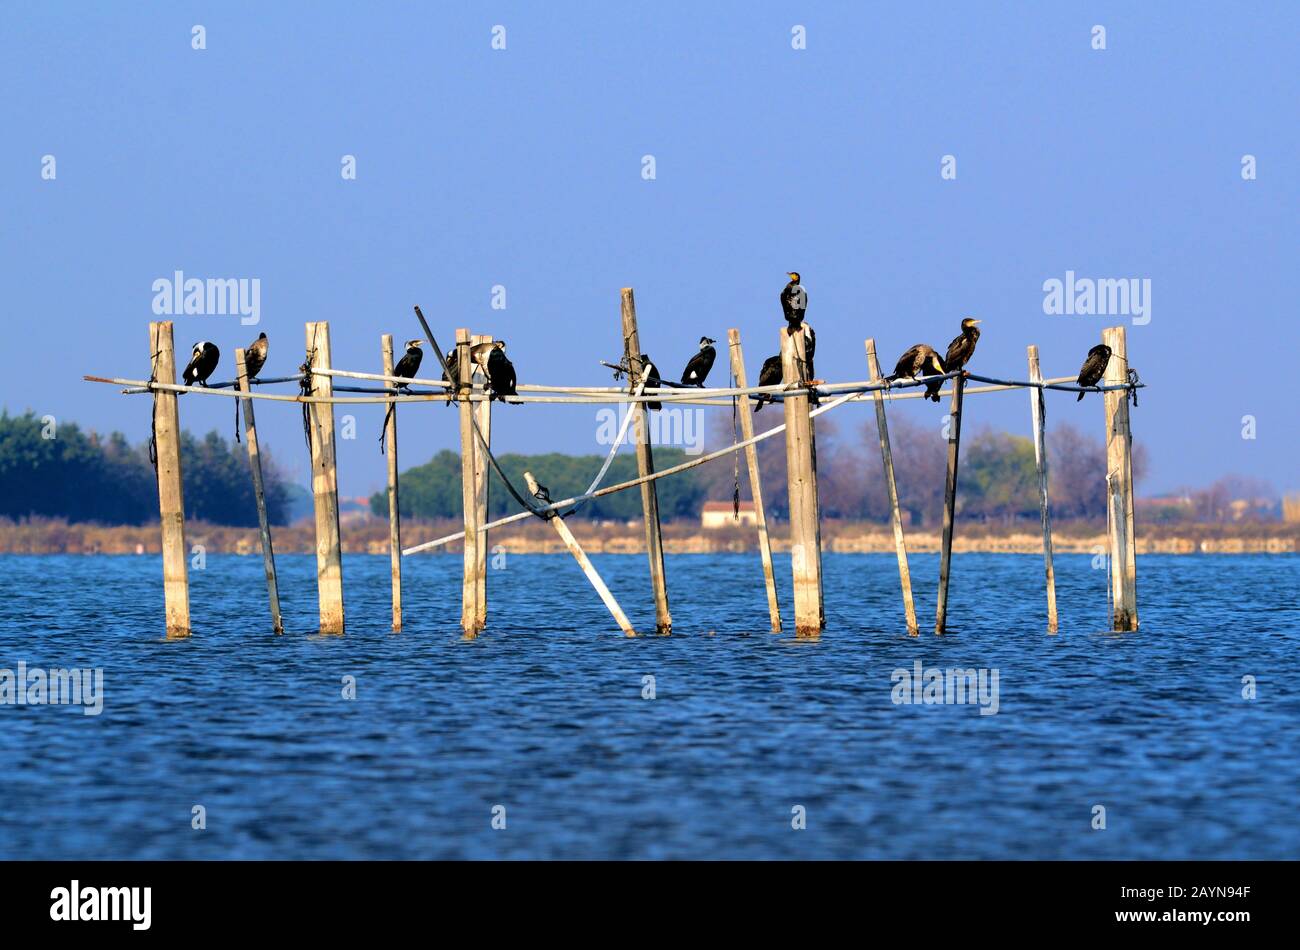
[650, 372]
[452, 374]
[769, 375]
[1094, 367]
[962, 348]
[202, 363]
[697, 370]
[255, 356]
[794, 299]
[920, 360]
[409, 364]
[500, 372]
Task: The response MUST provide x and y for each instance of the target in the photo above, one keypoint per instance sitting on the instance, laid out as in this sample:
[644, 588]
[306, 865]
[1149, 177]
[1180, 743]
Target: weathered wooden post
[801, 473]
[755, 481]
[645, 466]
[171, 498]
[584, 562]
[325, 483]
[394, 513]
[1038, 412]
[1119, 470]
[259, 492]
[887, 457]
[949, 502]
[482, 413]
[468, 493]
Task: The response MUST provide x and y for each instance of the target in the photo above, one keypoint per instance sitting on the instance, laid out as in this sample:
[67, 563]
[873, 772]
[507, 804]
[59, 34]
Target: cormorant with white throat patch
[409, 364]
[650, 373]
[697, 370]
[202, 363]
[794, 299]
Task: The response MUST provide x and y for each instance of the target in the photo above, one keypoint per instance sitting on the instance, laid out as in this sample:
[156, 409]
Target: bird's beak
[977, 321]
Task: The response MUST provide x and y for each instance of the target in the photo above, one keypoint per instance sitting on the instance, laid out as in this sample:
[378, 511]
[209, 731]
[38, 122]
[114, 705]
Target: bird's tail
[1080, 399]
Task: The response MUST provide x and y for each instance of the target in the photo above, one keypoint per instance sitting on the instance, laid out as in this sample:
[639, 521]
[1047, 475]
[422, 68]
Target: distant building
[720, 514]
[1291, 509]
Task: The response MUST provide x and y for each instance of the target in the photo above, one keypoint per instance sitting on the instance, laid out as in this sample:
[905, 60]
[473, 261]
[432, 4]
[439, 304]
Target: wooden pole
[801, 473]
[1038, 411]
[394, 511]
[259, 493]
[645, 465]
[887, 457]
[949, 503]
[171, 498]
[1119, 467]
[325, 485]
[468, 493]
[483, 413]
[755, 481]
[580, 556]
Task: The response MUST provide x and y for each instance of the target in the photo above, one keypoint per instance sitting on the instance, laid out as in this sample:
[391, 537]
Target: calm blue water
[544, 715]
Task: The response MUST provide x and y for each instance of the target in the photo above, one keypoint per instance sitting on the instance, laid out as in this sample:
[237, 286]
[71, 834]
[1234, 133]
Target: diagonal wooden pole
[259, 493]
[584, 562]
[645, 466]
[755, 480]
[949, 503]
[896, 514]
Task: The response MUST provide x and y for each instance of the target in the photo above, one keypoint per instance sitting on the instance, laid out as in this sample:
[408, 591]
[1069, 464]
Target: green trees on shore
[60, 471]
[432, 490]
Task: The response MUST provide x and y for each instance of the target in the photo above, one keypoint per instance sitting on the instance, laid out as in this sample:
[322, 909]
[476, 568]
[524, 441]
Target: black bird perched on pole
[409, 364]
[255, 356]
[202, 364]
[452, 373]
[769, 375]
[962, 348]
[1094, 367]
[920, 360]
[697, 370]
[500, 371]
[794, 304]
[650, 373]
[794, 299]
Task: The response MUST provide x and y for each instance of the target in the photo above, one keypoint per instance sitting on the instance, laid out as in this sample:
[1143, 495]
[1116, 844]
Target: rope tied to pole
[735, 468]
[306, 388]
[153, 421]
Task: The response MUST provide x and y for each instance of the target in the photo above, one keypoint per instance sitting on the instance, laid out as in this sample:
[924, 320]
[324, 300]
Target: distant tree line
[60, 471]
[998, 478]
[432, 490]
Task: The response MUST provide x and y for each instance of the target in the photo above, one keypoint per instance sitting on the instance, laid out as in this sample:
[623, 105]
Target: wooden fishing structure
[802, 400]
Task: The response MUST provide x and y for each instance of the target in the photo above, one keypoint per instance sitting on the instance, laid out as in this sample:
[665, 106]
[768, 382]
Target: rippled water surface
[544, 715]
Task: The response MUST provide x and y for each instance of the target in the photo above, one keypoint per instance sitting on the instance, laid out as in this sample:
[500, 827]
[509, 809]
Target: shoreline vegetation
[45, 507]
[367, 534]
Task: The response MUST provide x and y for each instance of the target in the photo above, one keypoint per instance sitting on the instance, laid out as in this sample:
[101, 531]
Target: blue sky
[523, 168]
